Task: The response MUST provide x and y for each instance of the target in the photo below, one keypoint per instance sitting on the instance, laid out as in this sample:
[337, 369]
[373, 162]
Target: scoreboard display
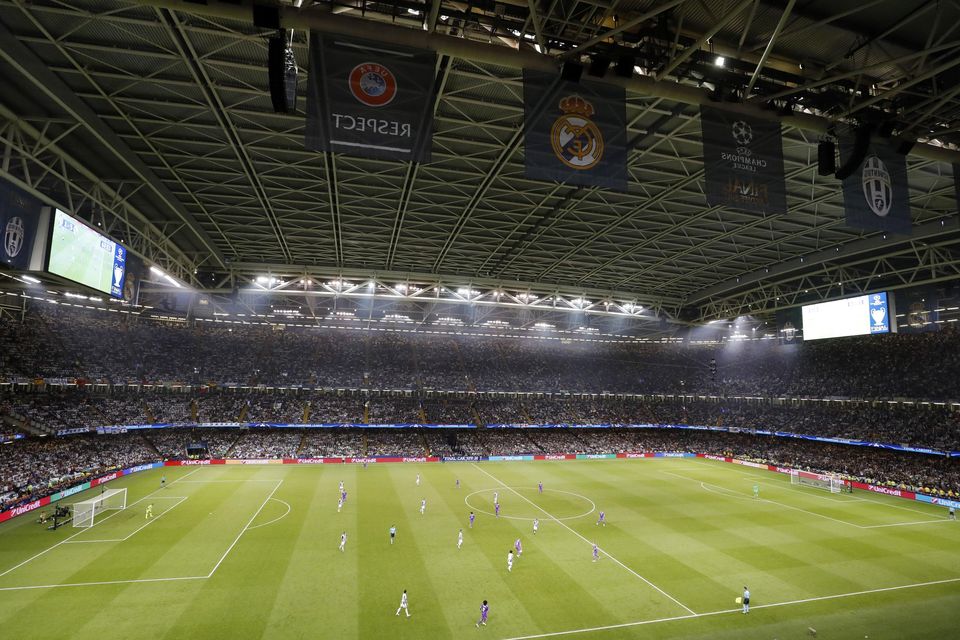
[859, 316]
[86, 256]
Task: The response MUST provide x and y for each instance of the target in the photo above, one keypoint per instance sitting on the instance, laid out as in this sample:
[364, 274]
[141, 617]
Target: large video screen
[81, 254]
[858, 316]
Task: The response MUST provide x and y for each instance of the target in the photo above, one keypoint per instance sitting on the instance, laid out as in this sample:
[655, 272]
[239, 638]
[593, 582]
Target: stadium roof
[154, 119]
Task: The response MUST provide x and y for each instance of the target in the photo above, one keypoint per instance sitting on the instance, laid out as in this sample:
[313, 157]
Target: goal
[86, 512]
[827, 482]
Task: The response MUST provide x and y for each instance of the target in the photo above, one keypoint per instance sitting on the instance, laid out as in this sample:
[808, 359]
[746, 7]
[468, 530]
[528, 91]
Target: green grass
[683, 536]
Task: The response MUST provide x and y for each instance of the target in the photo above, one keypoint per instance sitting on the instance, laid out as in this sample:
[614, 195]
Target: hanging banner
[742, 162]
[919, 308]
[22, 237]
[876, 196]
[789, 325]
[576, 133]
[369, 99]
[956, 191]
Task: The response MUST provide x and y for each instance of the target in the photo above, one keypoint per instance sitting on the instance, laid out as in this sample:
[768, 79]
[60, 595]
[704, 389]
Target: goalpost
[827, 482]
[85, 512]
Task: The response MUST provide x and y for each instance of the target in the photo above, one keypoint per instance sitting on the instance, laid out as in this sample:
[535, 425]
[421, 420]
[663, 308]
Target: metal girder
[317, 17]
[773, 39]
[192, 60]
[35, 162]
[470, 213]
[873, 245]
[31, 68]
[918, 262]
[679, 59]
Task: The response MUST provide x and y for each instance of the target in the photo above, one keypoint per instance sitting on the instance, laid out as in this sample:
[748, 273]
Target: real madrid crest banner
[368, 99]
[742, 162]
[576, 133]
[876, 196]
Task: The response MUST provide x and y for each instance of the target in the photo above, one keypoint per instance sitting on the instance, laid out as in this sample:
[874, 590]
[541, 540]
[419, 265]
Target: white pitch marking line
[737, 610]
[593, 506]
[781, 504]
[565, 526]
[907, 524]
[871, 499]
[245, 527]
[226, 481]
[807, 492]
[131, 534]
[91, 584]
[257, 526]
[48, 549]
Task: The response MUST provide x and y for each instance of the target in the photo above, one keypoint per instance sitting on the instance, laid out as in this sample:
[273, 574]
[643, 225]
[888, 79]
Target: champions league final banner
[742, 162]
[576, 133]
[367, 99]
[876, 197]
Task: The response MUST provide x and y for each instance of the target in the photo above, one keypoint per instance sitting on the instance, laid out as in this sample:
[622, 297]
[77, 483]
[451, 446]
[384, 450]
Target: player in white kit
[403, 604]
[510, 560]
[460, 539]
[423, 506]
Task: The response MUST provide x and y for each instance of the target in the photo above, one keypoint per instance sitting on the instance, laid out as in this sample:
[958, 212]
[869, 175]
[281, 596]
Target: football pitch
[253, 552]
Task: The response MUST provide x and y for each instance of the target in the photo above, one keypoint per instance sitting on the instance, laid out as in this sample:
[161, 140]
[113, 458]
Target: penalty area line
[105, 582]
[102, 520]
[242, 531]
[639, 623]
[565, 526]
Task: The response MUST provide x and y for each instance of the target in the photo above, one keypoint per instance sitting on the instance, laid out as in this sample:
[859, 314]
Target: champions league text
[743, 162]
[372, 125]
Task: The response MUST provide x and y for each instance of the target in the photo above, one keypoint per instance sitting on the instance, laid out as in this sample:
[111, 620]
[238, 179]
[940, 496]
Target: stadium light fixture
[158, 272]
[720, 61]
[30, 279]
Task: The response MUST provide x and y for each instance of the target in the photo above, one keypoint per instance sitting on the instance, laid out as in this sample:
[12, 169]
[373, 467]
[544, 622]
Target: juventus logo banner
[369, 99]
[576, 133]
[742, 162]
[19, 217]
[876, 196]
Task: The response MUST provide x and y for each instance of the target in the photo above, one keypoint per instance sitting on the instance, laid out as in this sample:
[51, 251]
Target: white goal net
[827, 482]
[85, 513]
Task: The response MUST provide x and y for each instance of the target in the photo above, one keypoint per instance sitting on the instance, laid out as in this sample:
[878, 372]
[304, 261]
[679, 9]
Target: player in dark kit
[484, 610]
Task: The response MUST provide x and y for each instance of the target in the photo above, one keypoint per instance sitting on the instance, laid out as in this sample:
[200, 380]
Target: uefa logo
[877, 187]
[372, 84]
[13, 236]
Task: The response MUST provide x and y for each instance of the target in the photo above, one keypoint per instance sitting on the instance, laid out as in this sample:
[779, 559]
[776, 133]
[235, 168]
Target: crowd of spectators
[126, 370]
[36, 467]
[56, 342]
[33, 468]
[928, 425]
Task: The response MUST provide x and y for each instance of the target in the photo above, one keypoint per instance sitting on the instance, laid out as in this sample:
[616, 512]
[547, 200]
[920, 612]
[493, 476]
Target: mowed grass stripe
[246, 580]
[390, 497]
[307, 595]
[649, 593]
[287, 579]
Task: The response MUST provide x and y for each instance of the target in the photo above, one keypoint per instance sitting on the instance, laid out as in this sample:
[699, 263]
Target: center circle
[559, 504]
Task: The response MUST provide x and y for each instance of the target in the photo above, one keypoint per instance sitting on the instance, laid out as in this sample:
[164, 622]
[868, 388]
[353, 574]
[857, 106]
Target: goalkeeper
[149, 513]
